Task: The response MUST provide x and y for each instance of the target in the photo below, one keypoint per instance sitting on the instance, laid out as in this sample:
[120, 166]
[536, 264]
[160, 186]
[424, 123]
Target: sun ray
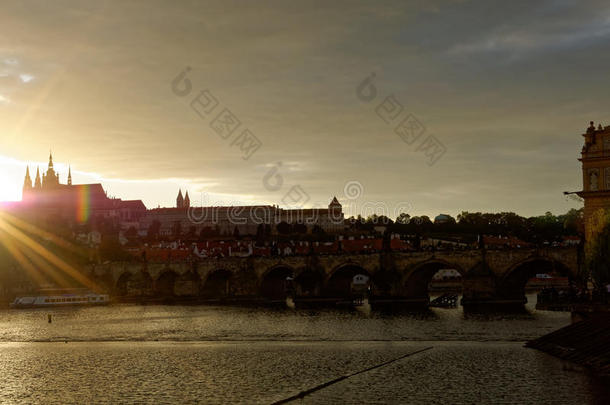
[22, 260]
[33, 229]
[62, 265]
[43, 266]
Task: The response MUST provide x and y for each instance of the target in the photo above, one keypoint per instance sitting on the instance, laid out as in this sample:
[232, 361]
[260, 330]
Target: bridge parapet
[503, 262]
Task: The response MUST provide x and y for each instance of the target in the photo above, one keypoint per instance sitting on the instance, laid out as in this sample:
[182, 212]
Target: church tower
[335, 205]
[69, 175]
[187, 200]
[335, 215]
[595, 158]
[180, 200]
[50, 180]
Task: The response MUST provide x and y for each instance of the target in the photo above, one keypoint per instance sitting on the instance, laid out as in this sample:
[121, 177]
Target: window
[593, 179]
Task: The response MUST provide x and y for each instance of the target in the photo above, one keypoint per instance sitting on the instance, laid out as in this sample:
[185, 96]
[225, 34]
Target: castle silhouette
[47, 197]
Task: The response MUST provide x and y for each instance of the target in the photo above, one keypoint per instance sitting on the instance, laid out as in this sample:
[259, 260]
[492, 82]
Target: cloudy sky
[505, 89]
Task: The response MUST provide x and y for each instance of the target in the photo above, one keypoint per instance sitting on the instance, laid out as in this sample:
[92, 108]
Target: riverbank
[586, 343]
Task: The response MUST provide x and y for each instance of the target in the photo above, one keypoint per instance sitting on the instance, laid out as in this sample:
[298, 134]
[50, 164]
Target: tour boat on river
[61, 298]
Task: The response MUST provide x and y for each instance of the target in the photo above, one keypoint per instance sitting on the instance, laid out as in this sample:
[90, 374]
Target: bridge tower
[595, 158]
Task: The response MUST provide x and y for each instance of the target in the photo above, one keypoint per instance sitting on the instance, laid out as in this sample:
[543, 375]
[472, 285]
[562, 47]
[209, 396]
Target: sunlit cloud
[26, 78]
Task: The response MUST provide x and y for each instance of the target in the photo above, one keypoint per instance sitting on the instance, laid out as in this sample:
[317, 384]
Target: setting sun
[11, 176]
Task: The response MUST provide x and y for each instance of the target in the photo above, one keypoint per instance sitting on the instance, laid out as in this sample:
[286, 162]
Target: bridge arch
[308, 283]
[417, 279]
[165, 283]
[274, 284]
[121, 289]
[187, 284]
[130, 284]
[512, 284]
[339, 281]
[217, 284]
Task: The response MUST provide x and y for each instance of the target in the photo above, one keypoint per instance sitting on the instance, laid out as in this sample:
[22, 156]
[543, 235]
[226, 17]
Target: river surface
[206, 354]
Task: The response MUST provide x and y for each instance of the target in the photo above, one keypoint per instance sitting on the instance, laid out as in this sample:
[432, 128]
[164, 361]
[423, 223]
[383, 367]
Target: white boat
[59, 298]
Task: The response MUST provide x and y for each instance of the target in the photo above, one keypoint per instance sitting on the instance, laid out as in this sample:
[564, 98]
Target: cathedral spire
[27, 183]
[50, 160]
[187, 200]
[37, 182]
[179, 200]
[69, 175]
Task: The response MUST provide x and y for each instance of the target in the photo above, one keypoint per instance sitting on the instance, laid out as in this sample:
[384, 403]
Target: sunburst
[22, 240]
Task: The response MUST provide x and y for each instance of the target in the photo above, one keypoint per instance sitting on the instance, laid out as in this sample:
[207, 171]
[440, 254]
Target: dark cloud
[506, 86]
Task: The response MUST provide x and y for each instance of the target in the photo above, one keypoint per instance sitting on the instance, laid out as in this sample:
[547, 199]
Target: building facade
[243, 220]
[595, 158]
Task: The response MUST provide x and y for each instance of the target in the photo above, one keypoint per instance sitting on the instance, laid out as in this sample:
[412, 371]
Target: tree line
[537, 229]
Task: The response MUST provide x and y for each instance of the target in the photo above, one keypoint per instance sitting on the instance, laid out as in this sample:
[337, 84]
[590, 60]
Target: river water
[205, 354]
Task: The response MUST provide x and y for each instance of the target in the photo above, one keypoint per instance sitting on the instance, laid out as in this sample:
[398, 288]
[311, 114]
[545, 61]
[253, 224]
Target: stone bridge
[487, 276]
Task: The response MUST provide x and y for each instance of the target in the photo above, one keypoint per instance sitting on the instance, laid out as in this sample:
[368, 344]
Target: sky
[500, 93]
